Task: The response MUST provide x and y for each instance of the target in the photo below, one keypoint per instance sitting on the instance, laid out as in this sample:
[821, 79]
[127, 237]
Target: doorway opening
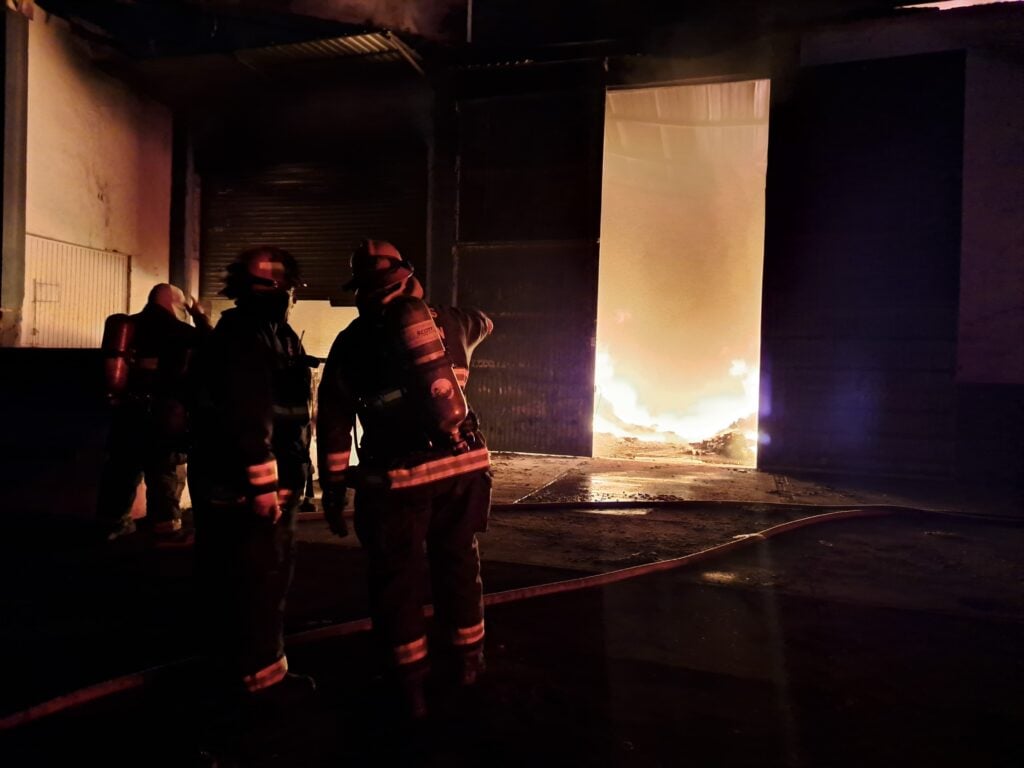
[681, 261]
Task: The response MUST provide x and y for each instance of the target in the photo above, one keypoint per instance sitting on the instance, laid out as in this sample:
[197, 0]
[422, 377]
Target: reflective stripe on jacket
[361, 370]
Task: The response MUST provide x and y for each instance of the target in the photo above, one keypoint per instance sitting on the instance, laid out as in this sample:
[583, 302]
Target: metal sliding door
[318, 210]
[526, 252]
[861, 276]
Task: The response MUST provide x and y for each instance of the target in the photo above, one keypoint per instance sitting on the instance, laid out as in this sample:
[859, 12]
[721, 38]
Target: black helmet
[376, 264]
[265, 269]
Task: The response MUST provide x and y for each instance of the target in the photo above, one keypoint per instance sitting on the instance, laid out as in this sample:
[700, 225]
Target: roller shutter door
[315, 210]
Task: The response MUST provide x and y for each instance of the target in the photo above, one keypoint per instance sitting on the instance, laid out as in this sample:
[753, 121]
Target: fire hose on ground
[135, 680]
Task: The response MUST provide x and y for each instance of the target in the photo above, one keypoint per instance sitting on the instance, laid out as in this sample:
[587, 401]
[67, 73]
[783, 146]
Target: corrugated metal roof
[374, 46]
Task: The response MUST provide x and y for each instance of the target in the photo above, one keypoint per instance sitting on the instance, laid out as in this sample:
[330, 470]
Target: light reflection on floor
[718, 577]
[628, 512]
[618, 485]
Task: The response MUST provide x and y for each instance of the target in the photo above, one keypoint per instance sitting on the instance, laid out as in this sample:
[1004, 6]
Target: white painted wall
[98, 158]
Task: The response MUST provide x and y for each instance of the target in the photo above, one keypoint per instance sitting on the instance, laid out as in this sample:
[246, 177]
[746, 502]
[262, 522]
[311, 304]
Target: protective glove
[199, 316]
[333, 502]
[265, 505]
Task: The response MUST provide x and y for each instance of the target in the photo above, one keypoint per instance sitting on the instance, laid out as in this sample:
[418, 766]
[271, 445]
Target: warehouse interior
[760, 261]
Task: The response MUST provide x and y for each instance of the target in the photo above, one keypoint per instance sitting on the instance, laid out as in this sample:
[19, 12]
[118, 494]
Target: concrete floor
[525, 477]
[878, 641]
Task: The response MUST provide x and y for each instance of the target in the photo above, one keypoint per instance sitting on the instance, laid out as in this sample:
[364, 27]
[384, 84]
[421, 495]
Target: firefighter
[423, 473]
[246, 474]
[146, 360]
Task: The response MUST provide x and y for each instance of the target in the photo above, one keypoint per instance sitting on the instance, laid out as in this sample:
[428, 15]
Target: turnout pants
[244, 568]
[137, 448]
[393, 527]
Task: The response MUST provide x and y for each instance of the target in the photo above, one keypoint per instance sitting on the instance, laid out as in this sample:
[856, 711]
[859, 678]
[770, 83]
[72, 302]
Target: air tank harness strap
[438, 469]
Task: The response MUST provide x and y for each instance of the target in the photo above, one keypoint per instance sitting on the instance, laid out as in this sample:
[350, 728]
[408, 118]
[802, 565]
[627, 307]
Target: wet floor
[897, 638]
[761, 657]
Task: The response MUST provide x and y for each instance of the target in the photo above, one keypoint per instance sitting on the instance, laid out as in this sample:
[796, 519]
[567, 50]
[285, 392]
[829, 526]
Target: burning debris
[733, 443]
[624, 428]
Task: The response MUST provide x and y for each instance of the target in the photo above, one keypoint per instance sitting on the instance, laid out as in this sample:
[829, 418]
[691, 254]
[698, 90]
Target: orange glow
[679, 287]
[618, 411]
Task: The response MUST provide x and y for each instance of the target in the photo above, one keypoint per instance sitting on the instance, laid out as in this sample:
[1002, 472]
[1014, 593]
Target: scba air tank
[118, 333]
[430, 385]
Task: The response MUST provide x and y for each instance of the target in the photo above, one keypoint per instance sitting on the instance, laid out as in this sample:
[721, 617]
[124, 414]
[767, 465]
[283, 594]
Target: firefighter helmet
[262, 270]
[376, 264]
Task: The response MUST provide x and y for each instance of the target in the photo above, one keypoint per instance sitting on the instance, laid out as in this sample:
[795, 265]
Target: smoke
[426, 18]
[679, 293]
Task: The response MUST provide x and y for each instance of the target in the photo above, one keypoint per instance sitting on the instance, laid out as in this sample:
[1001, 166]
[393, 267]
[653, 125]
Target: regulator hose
[838, 512]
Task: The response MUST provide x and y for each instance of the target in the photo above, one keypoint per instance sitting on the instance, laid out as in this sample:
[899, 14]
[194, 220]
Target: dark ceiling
[147, 29]
[192, 54]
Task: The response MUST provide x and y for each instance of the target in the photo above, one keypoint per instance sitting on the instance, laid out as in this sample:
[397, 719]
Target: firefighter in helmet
[423, 473]
[146, 356]
[246, 474]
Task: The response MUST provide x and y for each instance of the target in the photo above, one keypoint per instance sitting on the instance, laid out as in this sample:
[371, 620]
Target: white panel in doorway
[69, 291]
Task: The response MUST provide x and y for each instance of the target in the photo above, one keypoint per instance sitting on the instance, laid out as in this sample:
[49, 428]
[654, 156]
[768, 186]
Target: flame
[618, 411]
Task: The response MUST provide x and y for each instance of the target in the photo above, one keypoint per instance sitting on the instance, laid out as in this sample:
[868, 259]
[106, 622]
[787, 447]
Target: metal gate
[70, 290]
[526, 252]
[318, 211]
[533, 381]
[861, 275]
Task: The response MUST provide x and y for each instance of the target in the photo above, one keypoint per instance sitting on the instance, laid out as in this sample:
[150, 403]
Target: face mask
[274, 306]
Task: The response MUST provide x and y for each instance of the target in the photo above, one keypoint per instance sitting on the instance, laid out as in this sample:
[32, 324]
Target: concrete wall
[862, 248]
[990, 356]
[977, 402]
[992, 252]
[99, 158]
[991, 302]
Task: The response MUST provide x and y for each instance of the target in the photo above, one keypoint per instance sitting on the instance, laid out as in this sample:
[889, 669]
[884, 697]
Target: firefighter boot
[293, 692]
[120, 530]
[219, 727]
[271, 716]
[172, 534]
[411, 692]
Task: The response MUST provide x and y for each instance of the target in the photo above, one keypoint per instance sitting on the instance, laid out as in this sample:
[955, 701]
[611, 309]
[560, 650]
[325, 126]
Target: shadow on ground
[831, 646]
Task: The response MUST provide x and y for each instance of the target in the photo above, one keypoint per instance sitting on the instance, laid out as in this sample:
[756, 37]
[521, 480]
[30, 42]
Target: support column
[15, 118]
